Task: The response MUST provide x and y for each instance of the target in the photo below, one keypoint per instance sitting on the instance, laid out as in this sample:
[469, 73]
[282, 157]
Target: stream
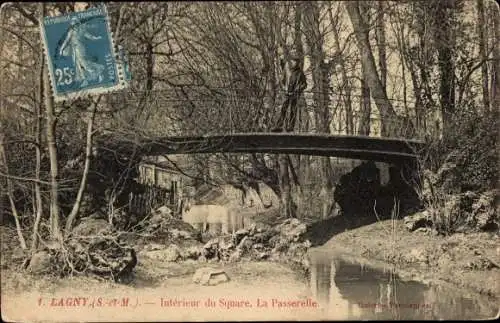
[350, 290]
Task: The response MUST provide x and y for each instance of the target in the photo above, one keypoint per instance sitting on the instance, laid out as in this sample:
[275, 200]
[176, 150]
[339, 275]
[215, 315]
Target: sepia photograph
[181, 161]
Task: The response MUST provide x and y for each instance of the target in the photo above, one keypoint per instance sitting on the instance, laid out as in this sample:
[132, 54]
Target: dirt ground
[467, 261]
[249, 281]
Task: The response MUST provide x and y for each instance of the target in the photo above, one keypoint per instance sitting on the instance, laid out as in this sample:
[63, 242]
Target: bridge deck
[357, 147]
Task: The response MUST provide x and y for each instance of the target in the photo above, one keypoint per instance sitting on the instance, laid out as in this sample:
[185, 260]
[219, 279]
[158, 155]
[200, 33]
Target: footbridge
[382, 149]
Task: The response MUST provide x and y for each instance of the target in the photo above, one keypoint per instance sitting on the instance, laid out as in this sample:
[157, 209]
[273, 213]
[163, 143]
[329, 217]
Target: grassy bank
[464, 260]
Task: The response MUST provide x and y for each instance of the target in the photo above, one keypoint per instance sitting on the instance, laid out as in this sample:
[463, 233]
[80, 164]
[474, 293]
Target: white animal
[201, 216]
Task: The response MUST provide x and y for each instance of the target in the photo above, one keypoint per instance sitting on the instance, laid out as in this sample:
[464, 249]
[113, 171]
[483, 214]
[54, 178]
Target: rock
[155, 254]
[418, 220]
[262, 255]
[156, 219]
[210, 276]
[262, 227]
[226, 245]
[252, 229]
[211, 248]
[211, 243]
[40, 263]
[163, 210]
[258, 246]
[280, 247]
[91, 226]
[170, 254]
[160, 215]
[274, 240]
[191, 253]
[241, 233]
[292, 229]
[479, 264]
[215, 278]
[235, 256]
[245, 244]
[182, 234]
[225, 249]
[263, 236]
[424, 230]
[199, 273]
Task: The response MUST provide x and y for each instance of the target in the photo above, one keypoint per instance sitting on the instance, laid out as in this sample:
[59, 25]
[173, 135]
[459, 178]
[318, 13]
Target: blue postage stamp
[81, 55]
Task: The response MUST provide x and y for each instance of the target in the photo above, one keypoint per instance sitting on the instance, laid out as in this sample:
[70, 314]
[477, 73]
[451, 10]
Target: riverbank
[468, 261]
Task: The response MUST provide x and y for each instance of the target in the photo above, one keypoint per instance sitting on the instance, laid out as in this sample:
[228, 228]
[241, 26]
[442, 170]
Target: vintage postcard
[249, 161]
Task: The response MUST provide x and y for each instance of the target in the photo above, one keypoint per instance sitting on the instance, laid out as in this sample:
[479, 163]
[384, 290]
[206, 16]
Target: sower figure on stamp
[294, 86]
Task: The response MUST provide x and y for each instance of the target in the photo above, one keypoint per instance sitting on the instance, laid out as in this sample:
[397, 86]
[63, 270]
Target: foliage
[474, 149]
[203, 68]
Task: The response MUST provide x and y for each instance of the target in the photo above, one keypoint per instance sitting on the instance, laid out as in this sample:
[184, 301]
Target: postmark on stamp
[81, 55]
[123, 60]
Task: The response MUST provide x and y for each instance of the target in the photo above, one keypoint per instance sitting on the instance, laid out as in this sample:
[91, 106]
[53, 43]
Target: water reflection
[349, 290]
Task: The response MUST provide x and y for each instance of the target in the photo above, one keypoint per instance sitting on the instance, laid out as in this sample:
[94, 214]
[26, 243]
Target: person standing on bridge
[294, 87]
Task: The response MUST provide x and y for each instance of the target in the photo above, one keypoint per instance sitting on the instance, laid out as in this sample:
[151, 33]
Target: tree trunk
[346, 83]
[320, 69]
[301, 102]
[483, 49]
[10, 196]
[365, 109]
[38, 156]
[424, 96]
[444, 41]
[51, 142]
[380, 34]
[287, 204]
[407, 63]
[88, 155]
[384, 105]
[297, 34]
[321, 94]
[495, 74]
